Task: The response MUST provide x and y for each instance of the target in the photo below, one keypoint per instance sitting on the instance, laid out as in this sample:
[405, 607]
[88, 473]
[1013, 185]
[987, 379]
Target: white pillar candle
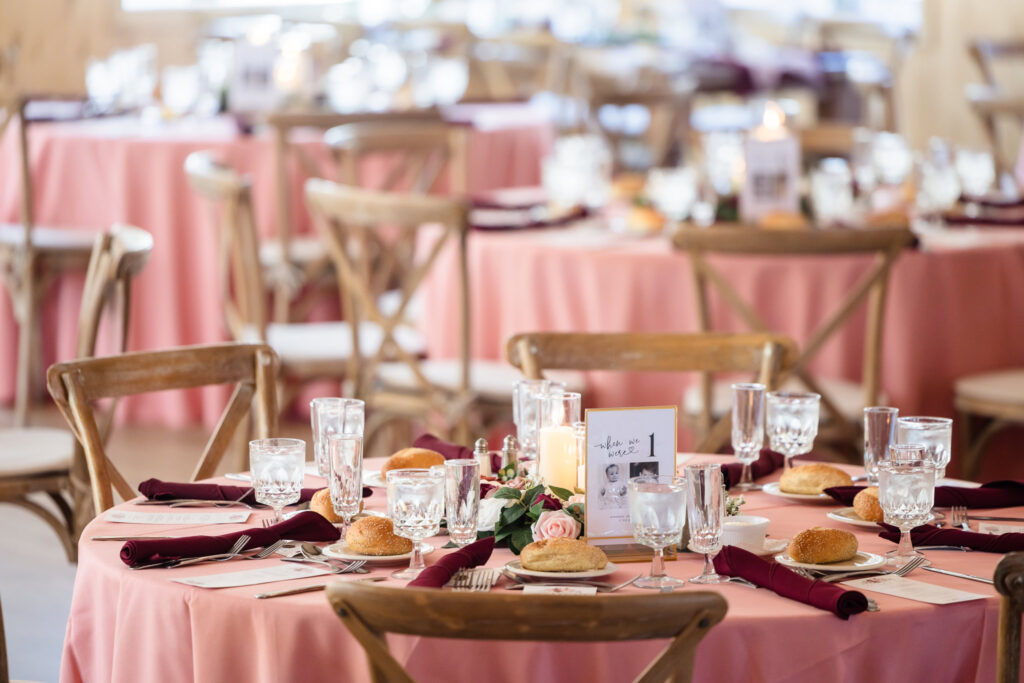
[557, 456]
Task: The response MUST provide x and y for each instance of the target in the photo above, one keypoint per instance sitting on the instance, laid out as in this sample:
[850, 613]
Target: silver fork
[912, 564]
[235, 550]
[268, 551]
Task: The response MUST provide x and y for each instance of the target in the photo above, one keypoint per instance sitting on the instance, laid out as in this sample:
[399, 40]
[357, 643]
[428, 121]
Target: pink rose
[555, 524]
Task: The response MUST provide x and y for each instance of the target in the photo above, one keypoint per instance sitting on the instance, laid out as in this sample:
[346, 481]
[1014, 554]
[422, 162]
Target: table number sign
[622, 443]
[773, 168]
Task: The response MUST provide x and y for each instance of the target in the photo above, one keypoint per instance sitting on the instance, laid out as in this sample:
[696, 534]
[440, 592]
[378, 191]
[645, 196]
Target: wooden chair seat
[51, 239]
[302, 251]
[331, 341]
[488, 379]
[994, 398]
[1006, 386]
[30, 451]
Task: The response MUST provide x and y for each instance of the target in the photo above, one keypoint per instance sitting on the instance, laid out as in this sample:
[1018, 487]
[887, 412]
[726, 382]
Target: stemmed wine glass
[705, 502]
[657, 511]
[747, 429]
[792, 422]
[415, 506]
[277, 467]
[345, 453]
[462, 500]
[906, 492]
[879, 430]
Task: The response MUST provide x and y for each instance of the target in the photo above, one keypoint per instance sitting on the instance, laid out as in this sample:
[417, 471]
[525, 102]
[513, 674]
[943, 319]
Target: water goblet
[879, 430]
[657, 511]
[346, 475]
[705, 502]
[934, 433]
[906, 492]
[415, 506]
[747, 429]
[792, 422]
[277, 468]
[330, 415]
[462, 499]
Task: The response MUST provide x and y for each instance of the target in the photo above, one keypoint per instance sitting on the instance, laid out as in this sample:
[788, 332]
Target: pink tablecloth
[137, 625]
[91, 174]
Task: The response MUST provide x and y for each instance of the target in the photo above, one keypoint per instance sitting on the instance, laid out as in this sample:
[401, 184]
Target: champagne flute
[705, 500]
[346, 475]
[657, 511]
[277, 467]
[747, 429]
[415, 506]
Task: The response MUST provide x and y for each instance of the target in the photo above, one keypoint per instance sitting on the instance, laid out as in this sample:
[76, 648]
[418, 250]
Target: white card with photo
[623, 443]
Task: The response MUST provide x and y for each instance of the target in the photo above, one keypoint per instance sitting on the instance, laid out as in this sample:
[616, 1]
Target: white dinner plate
[516, 567]
[860, 561]
[339, 551]
[850, 516]
[770, 547]
[772, 489]
[374, 479]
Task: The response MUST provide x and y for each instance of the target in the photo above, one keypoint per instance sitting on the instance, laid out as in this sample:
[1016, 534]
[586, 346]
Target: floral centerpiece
[525, 510]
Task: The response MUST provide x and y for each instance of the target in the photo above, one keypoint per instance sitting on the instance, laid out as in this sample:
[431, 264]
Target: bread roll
[867, 507]
[813, 479]
[821, 545]
[321, 503]
[412, 458]
[375, 536]
[562, 555]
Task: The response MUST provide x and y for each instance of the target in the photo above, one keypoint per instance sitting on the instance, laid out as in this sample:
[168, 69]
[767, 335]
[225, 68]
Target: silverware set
[960, 518]
[519, 583]
[480, 579]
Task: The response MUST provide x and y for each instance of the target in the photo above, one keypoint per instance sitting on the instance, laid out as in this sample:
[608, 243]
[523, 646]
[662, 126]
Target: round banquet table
[90, 174]
[139, 625]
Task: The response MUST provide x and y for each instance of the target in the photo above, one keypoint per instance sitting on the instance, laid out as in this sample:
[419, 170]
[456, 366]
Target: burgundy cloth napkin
[995, 494]
[155, 489]
[438, 574]
[733, 561]
[931, 535]
[452, 451]
[305, 526]
[768, 462]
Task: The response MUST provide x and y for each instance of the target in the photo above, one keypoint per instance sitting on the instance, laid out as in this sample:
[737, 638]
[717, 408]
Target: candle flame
[773, 116]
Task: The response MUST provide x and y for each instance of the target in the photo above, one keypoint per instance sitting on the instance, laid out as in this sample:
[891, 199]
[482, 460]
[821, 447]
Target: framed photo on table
[623, 443]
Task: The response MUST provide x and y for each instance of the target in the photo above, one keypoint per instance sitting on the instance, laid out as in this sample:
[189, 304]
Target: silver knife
[306, 589]
[972, 577]
[990, 518]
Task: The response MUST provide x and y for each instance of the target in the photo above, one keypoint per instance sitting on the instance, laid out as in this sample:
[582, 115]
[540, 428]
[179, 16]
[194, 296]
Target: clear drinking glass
[977, 171]
[906, 492]
[792, 422]
[556, 439]
[657, 511]
[705, 502]
[462, 499]
[329, 415]
[934, 433]
[525, 408]
[747, 429]
[415, 506]
[832, 192]
[277, 469]
[879, 431]
[346, 475]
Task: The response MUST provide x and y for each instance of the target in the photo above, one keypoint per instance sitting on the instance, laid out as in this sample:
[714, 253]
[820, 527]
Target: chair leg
[61, 529]
[27, 344]
[972, 463]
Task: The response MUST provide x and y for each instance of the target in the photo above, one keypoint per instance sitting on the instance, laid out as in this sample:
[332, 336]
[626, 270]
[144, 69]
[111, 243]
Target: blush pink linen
[130, 626]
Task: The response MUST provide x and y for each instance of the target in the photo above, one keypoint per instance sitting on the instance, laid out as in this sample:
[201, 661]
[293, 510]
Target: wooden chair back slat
[1009, 581]
[370, 611]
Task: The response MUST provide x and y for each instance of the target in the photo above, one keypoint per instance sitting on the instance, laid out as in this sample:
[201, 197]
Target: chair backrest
[242, 285]
[992, 99]
[418, 152]
[1009, 581]
[884, 243]
[765, 356]
[75, 385]
[987, 52]
[370, 611]
[352, 220]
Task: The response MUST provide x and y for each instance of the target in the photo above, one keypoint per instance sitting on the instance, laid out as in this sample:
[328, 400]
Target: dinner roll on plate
[867, 507]
[562, 555]
[375, 536]
[412, 458]
[821, 545]
[813, 479]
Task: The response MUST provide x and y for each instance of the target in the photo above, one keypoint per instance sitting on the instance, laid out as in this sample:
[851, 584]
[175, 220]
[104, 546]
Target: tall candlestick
[557, 447]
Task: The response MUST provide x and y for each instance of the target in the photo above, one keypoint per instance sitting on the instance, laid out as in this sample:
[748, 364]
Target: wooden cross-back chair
[31, 259]
[76, 385]
[370, 611]
[841, 409]
[764, 356]
[1009, 581]
[443, 392]
[46, 460]
[990, 101]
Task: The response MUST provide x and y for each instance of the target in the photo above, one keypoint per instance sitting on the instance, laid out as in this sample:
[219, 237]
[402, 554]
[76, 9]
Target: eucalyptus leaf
[508, 492]
[511, 514]
[530, 494]
[535, 510]
[563, 494]
[520, 539]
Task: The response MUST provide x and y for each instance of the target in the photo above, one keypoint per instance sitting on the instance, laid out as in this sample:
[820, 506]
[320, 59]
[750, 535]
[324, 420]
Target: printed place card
[282, 572]
[561, 590]
[132, 517]
[999, 529]
[903, 587]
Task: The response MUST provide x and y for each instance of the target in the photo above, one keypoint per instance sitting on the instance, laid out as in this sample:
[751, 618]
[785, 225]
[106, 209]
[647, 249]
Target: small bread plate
[850, 516]
[374, 479]
[516, 567]
[859, 561]
[340, 551]
[772, 489]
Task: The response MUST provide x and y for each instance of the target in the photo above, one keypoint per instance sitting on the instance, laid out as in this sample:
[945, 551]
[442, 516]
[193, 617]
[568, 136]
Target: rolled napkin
[305, 526]
[931, 535]
[733, 561]
[452, 451]
[768, 462]
[439, 573]
[155, 489]
[995, 494]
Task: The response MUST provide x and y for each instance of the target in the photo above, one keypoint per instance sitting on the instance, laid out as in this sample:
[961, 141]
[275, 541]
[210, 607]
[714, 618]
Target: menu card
[903, 587]
[999, 529]
[131, 517]
[249, 577]
[561, 590]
